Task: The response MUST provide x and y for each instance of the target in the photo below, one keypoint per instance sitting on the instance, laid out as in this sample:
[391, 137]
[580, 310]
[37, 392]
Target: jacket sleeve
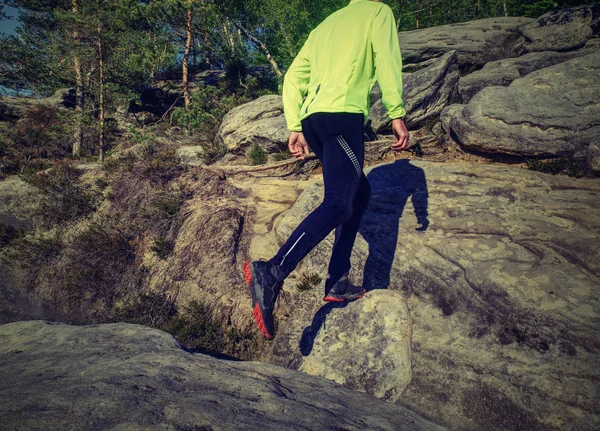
[388, 61]
[295, 89]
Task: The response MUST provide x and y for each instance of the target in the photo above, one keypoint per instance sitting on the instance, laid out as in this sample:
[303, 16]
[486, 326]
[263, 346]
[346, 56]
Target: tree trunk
[186, 56]
[79, 101]
[505, 9]
[229, 33]
[101, 95]
[261, 46]
[207, 56]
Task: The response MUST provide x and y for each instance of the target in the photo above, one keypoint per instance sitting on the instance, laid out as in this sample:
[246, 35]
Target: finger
[306, 151]
[292, 142]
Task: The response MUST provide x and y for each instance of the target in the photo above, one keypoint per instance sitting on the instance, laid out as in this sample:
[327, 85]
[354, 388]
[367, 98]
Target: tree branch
[261, 46]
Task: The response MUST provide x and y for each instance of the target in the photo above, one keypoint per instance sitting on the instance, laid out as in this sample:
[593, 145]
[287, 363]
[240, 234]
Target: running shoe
[342, 290]
[264, 288]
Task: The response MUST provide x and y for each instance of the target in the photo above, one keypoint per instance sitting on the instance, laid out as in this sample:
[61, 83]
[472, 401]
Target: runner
[326, 97]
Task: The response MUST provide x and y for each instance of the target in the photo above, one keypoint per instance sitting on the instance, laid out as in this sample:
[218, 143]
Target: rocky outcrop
[503, 72]
[12, 108]
[550, 112]
[499, 268]
[425, 92]
[364, 346]
[560, 30]
[121, 376]
[476, 42]
[260, 121]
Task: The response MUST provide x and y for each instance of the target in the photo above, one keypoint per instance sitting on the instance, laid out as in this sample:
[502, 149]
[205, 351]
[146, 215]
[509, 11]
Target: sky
[8, 26]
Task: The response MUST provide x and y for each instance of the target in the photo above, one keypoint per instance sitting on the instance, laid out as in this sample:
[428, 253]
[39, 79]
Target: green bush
[41, 134]
[308, 281]
[212, 151]
[194, 330]
[257, 155]
[66, 197]
[207, 108]
[563, 165]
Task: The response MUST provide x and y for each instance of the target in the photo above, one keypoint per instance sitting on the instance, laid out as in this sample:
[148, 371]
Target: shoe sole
[256, 312]
[342, 299]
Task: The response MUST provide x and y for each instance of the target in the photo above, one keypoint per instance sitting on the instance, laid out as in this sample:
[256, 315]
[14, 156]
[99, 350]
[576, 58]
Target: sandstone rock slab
[122, 376]
[550, 112]
[503, 72]
[560, 30]
[502, 289]
[260, 121]
[425, 93]
[365, 346]
[476, 42]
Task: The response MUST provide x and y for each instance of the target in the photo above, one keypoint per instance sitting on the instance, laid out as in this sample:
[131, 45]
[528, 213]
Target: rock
[260, 121]
[550, 112]
[210, 77]
[425, 93]
[501, 282]
[13, 108]
[560, 30]
[191, 154]
[379, 328]
[593, 157]
[476, 42]
[122, 376]
[503, 72]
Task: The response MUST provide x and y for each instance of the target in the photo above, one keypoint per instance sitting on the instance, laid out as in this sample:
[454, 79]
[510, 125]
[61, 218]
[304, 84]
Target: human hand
[298, 145]
[400, 135]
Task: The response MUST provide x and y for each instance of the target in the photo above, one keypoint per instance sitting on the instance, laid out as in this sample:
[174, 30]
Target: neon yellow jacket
[340, 61]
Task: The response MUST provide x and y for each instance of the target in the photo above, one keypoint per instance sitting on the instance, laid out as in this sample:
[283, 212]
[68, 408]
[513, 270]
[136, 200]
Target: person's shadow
[391, 186]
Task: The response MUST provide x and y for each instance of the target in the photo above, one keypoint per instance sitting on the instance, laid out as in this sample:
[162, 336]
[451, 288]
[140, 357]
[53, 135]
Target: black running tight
[337, 140]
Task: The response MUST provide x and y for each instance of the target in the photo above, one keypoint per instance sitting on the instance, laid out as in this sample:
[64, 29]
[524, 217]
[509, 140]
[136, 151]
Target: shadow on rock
[310, 332]
[391, 186]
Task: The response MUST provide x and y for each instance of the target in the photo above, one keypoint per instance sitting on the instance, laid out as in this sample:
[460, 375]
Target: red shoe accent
[332, 299]
[247, 273]
[259, 321]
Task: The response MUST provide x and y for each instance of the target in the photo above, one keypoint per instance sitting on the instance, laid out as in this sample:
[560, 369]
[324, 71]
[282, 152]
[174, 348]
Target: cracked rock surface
[130, 377]
[550, 112]
[426, 92]
[560, 30]
[476, 42]
[260, 121]
[502, 289]
[503, 72]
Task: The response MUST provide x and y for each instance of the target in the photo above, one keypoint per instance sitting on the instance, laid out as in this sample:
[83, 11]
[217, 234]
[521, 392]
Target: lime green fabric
[340, 62]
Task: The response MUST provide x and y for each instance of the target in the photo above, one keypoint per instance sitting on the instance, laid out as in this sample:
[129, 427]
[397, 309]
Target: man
[326, 100]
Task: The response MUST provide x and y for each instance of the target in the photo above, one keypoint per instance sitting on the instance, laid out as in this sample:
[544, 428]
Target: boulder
[122, 376]
[476, 42]
[550, 112]
[560, 30]
[210, 77]
[425, 93]
[503, 72]
[364, 346]
[499, 268]
[12, 108]
[260, 121]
